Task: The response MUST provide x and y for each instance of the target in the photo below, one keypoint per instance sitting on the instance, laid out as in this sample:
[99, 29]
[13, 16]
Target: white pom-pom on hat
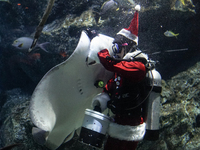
[137, 7]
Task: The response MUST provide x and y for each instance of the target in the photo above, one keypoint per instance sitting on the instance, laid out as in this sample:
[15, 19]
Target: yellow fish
[183, 2]
[170, 34]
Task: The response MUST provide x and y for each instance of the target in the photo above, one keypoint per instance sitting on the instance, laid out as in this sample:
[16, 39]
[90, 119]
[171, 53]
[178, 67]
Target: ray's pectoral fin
[39, 135]
[69, 137]
[78, 131]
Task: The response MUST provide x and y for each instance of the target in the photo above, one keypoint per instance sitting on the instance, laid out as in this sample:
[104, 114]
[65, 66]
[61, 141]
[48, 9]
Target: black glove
[91, 33]
[97, 108]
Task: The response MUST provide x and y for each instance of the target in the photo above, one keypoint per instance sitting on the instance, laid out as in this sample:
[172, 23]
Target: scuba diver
[133, 94]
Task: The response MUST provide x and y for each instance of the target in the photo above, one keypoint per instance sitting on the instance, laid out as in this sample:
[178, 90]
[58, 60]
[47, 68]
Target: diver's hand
[109, 58]
[99, 102]
[91, 33]
[97, 108]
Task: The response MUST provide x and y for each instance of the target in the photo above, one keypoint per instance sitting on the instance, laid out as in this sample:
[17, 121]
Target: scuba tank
[153, 105]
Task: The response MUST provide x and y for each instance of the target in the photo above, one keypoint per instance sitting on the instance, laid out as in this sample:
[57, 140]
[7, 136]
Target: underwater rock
[15, 121]
[86, 19]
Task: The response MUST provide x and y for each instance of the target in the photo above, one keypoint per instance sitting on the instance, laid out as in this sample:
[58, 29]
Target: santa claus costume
[124, 94]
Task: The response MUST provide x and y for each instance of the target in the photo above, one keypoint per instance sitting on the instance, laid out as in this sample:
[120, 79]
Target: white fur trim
[128, 35]
[137, 7]
[132, 54]
[101, 99]
[127, 133]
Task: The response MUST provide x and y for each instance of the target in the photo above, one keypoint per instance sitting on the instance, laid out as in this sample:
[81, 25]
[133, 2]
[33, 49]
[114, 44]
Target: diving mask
[118, 48]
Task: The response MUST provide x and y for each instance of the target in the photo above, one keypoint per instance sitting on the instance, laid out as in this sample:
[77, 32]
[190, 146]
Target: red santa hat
[132, 31]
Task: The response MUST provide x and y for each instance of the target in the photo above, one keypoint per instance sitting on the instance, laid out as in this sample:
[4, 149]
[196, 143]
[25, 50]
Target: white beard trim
[126, 132]
[128, 35]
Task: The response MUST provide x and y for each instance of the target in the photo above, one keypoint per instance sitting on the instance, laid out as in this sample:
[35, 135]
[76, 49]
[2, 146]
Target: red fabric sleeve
[134, 71]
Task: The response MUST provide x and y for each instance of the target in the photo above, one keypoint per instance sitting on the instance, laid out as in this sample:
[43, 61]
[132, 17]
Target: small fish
[24, 43]
[5, 1]
[107, 7]
[170, 34]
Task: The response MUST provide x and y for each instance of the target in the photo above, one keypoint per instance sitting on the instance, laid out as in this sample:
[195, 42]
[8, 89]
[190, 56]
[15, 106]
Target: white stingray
[61, 97]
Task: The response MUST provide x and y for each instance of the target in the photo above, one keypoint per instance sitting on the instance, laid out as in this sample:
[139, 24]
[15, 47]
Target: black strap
[140, 59]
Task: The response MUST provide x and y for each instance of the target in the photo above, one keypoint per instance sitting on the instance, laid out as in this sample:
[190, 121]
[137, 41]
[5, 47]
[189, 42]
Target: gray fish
[107, 6]
[106, 9]
[24, 43]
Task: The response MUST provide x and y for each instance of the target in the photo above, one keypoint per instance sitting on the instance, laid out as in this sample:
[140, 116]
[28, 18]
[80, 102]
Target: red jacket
[128, 75]
[134, 71]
